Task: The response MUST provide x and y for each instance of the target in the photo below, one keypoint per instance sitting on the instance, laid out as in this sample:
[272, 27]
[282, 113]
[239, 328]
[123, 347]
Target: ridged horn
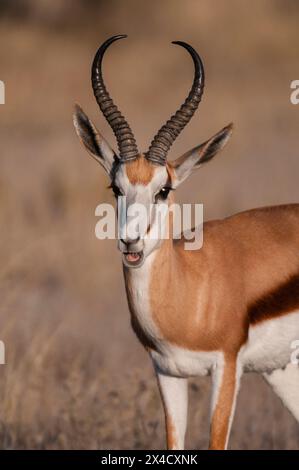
[122, 131]
[163, 140]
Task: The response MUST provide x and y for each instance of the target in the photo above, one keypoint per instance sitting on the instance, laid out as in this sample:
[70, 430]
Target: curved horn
[168, 133]
[122, 131]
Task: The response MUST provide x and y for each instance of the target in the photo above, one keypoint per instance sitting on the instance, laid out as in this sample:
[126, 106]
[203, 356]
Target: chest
[168, 354]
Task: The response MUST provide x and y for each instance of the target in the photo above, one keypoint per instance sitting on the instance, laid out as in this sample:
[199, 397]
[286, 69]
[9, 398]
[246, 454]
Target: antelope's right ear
[93, 141]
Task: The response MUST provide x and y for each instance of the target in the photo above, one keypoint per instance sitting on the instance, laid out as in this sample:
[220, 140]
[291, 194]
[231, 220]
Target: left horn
[163, 140]
[122, 131]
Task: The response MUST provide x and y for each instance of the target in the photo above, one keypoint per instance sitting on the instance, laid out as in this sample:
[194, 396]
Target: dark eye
[162, 194]
[117, 192]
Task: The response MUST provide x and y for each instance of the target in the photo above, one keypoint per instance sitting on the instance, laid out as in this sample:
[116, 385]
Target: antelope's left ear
[193, 159]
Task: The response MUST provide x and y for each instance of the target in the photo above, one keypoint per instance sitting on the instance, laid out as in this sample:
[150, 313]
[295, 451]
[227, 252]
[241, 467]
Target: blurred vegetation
[75, 376]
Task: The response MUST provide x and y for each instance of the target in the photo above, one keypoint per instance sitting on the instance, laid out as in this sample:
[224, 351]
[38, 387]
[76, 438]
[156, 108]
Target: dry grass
[75, 375]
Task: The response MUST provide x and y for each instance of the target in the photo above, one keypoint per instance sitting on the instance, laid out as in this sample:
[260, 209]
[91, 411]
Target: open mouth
[133, 259]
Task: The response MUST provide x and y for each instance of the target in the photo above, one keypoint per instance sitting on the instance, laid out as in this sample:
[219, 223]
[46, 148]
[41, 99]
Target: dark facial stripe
[280, 301]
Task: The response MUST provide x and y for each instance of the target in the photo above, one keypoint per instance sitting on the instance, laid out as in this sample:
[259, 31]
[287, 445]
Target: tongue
[132, 257]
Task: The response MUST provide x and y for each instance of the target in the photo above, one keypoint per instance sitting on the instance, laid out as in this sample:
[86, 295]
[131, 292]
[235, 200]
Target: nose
[130, 241]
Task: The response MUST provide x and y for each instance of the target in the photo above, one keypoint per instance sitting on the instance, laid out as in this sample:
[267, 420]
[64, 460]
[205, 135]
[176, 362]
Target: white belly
[181, 362]
[269, 344]
[269, 347]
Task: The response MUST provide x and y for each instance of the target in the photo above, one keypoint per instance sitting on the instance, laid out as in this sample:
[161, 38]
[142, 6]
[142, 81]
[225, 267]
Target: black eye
[162, 194]
[116, 190]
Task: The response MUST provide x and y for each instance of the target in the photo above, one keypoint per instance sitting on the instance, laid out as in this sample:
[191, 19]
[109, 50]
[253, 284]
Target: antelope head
[143, 178]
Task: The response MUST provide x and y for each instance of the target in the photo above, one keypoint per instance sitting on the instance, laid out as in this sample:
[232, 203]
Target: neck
[138, 283]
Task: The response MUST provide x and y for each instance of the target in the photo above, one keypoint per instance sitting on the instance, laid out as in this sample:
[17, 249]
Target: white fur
[141, 301]
[175, 398]
[217, 376]
[180, 362]
[269, 343]
[144, 195]
[285, 383]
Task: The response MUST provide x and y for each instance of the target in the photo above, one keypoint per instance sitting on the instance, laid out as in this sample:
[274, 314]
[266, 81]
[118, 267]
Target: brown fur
[279, 301]
[140, 171]
[215, 291]
[223, 409]
[170, 433]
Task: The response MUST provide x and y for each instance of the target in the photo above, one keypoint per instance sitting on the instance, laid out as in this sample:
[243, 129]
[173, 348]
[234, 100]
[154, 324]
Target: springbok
[227, 308]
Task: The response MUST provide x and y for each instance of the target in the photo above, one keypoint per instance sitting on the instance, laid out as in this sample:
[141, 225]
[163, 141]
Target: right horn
[163, 140]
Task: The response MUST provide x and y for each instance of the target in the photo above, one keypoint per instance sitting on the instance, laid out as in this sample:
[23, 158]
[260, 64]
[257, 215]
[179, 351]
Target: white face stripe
[144, 195]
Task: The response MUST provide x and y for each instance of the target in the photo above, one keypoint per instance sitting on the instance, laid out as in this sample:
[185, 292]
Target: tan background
[75, 375]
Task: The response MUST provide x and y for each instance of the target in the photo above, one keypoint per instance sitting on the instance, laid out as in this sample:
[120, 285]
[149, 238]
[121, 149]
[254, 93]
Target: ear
[93, 141]
[193, 159]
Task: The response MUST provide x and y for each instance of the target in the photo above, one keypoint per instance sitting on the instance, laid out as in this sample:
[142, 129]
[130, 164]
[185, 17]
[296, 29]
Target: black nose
[130, 241]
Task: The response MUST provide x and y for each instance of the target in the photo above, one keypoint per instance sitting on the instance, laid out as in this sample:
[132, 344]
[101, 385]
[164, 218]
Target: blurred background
[76, 377]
